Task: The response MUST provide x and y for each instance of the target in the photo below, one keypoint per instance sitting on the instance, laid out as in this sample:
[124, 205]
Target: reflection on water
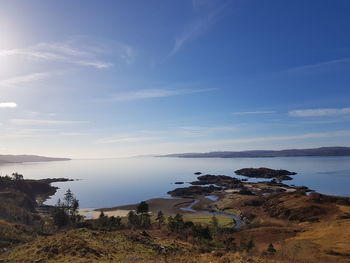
[115, 182]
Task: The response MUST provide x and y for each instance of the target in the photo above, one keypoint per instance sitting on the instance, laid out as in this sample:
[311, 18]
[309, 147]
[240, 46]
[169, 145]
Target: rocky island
[266, 173]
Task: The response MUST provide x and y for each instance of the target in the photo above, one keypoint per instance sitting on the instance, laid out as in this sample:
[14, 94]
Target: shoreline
[198, 206]
[169, 206]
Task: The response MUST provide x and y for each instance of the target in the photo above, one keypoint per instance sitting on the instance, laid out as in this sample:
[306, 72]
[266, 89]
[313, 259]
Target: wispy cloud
[96, 64]
[252, 112]
[320, 112]
[200, 131]
[44, 122]
[8, 105]
[342, 133]
[208, 14]
[117, 139]
[153, 93]
[24, 79]
[334, 64]
[74, 51]
[19, 133]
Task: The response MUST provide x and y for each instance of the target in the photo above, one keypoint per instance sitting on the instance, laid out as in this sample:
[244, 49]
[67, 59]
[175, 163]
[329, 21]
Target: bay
[114, 182]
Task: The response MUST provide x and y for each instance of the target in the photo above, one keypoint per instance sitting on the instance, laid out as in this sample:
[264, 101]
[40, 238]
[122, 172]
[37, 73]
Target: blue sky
[88, 79]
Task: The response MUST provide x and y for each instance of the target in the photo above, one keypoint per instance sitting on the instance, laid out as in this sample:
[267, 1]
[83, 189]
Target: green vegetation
[160, 218]
[285, 227]
[141, 218]
[66, 212]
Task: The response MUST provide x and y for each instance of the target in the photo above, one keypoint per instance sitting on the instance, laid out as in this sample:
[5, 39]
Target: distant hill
[323, 151]
[28, 158]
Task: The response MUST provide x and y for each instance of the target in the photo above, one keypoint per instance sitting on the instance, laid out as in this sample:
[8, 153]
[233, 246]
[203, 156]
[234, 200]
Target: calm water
[106, 183]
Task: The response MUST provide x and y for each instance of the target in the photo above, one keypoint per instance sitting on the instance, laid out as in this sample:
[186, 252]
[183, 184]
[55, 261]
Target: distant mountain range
[28, 158]
[323, 151]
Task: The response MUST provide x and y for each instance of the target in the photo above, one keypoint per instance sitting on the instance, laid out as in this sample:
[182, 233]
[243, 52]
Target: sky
[102, 79]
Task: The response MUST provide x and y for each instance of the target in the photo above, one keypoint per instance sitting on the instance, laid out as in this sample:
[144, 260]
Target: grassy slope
[84, 245]
[299, 226]
[89, 246]
[12, 234]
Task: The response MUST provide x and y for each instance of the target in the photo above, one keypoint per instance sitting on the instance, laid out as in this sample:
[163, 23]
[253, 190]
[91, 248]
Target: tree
[17, 177]
[66, 212]
[176, 223]
[201, 232]
[74, 207]
[60, 215]
[102, 214]
[133, 220]
[160, 218]
[145, 221]
[214, 225]
[68, 198]
[116, 222]
[271, 250]
[142, 208]
[230, 244]
[250, 245]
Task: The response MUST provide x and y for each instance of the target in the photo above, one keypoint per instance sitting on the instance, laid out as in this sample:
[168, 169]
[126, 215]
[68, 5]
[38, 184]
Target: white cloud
[44, 122]
[252, 112]
[20, 133]
[112, 140]
[8, 105]
[24, 79]
[96, 64]
[321, 66]
[75, 51]
[202, 23]
[320, 112]
[153, 93]
[200, 131]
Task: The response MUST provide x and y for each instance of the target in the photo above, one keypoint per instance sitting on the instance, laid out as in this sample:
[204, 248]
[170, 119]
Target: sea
[102, 183]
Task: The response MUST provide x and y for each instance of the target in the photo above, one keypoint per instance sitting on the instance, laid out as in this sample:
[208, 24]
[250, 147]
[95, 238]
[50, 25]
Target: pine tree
[60, 215]
[160, 218]
[66, 212]
[68, 198]
[133, 220]
[250, 245]
[271, 250]
[142, 208]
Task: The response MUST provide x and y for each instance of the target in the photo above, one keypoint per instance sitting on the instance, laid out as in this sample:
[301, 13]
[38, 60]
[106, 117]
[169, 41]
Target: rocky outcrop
[220, 180]
[193, 191]
[266, 173]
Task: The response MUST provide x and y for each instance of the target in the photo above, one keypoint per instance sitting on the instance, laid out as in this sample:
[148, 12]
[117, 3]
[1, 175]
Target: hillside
[278, 224]
[322, 151]
[28, 158]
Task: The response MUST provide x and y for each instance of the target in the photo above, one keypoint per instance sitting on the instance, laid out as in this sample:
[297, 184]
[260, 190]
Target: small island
[266, 173]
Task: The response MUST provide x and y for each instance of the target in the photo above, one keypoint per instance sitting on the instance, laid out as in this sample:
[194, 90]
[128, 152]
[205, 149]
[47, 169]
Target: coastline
[169, 206]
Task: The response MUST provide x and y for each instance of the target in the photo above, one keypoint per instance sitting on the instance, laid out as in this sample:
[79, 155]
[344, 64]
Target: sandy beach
[169, 206]
[94, 214]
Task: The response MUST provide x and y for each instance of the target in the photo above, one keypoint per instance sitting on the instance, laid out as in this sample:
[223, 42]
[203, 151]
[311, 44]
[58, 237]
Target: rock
[265, 173]
[245, 191]
[193, 191]
[220, 180]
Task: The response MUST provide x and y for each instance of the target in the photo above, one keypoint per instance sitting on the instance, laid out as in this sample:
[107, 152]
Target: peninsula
[28, 158]
[322, 151]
